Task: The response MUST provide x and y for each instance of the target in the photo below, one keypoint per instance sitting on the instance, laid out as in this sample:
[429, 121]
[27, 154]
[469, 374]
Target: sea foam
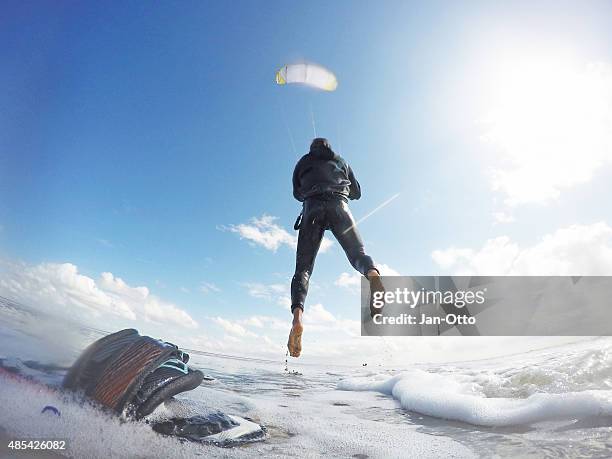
[528, 390]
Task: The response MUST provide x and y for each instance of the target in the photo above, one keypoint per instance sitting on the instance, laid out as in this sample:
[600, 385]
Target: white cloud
[268, 334]
[326, 244]
[105, 243]
[248, 345]
[578, 250]
[263, 231]
[386, 270]
[352, 281]
[317, 314]
[266, 291]
[232, 327]
[347, 280]
[276, 293]
[110, 303]
[239, 339]
[60, 289]
[552, 124]
[502, 217]
[318, 319]
[254, 322]
[208, 287]
[267, 322]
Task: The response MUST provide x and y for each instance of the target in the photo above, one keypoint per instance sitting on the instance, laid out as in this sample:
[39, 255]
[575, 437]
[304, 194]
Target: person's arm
[296, 184]
[354, 189]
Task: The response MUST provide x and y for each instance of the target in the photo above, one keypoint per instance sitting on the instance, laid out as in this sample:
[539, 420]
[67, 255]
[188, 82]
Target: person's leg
[345, 231]
[309, 241]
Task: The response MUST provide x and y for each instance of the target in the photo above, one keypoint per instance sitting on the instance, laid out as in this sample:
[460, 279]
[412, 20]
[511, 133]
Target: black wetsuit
[324, 182]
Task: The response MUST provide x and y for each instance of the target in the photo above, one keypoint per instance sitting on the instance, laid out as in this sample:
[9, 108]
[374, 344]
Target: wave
[568, 383]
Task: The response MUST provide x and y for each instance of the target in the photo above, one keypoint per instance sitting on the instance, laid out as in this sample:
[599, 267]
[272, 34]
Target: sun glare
[552, 122]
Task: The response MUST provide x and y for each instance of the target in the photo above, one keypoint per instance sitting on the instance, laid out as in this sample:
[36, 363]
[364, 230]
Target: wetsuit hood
[322, 172]
[321, 149]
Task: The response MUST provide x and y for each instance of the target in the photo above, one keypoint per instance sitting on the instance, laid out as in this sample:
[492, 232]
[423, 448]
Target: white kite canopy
[309, 74]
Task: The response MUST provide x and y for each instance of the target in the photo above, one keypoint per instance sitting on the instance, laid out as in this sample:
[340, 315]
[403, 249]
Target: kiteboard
[137, 378]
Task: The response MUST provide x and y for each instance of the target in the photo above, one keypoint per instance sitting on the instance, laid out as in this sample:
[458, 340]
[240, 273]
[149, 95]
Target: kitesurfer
[324, 183]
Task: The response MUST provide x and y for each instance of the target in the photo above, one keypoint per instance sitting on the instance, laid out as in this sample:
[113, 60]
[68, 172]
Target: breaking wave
[573, 382]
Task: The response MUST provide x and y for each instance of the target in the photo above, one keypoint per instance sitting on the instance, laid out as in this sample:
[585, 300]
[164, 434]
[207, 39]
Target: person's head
[321, 148]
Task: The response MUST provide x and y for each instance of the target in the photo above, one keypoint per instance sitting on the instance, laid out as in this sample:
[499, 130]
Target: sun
[552, 122]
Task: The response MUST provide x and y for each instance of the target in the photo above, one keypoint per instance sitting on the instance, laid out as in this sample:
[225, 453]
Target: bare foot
[295, 336]
[375, 286]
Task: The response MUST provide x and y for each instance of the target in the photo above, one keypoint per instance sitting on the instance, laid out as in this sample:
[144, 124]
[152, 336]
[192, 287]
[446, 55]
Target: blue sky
[134, 135]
